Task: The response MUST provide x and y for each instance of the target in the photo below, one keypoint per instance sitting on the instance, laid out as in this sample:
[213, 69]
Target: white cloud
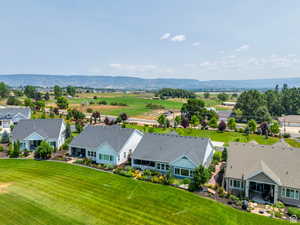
[243, 48]
[196, 43]
[165, 36]
[178, 38]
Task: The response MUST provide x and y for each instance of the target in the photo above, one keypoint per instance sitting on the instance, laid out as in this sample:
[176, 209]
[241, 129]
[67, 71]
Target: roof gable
[35, 136]
[278, 163]
[168, 148]
[50, 128]
[95, 136]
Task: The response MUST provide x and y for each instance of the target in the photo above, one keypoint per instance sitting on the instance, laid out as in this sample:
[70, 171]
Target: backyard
[226, 137]
[43, 192]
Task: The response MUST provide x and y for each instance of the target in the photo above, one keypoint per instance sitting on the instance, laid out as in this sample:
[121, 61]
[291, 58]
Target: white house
[31, 133]
[106, 144]
[179, 155]
[12, 115]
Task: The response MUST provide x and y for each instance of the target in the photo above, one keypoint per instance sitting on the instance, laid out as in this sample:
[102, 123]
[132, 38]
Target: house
[179, 155]
[12, 115]
[31, 133]
[290, 121]
[229, 104]
[264, 173]
[224, 115]
[105, 144]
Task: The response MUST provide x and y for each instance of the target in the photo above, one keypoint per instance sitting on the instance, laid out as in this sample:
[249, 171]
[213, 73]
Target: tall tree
[71, 90]
[231, 123]
[252, 126]
[4, 90]
[30, 91]
[193, 107]
[58, 92]
[62, 102]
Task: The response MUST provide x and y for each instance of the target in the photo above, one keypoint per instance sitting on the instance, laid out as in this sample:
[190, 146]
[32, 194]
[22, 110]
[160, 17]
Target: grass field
[213, 135]
[43, 192]
[136, 104]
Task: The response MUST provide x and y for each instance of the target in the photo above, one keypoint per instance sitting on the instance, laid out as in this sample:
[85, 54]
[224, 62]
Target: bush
[43, 151]
[286, 135]
[89, 110]
[279, 205]
[192, 187]
[5, 138]
[186, 181]
[294, 211]
[103, 102]
[217, 156]
[1, 148]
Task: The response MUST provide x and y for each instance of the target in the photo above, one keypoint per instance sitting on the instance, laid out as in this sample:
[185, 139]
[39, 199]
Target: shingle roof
[9, 112]
[290, 119]
[169, 147]
[93, 136]
[49, 128]
[278, 162]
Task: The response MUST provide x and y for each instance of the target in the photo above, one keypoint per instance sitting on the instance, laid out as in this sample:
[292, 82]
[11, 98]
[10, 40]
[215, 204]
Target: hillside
[123, 82]
[43, 192]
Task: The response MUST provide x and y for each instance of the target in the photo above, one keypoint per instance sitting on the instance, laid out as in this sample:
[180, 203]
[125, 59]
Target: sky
[204, 40]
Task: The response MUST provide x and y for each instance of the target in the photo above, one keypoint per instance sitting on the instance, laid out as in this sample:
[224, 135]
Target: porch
[262, 193]
[78, 152]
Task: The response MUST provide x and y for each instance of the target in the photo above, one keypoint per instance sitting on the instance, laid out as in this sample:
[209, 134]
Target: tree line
[263, 106]
[174, 93]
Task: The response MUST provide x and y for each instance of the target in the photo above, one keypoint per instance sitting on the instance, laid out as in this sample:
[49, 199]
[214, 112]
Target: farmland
[43, 192]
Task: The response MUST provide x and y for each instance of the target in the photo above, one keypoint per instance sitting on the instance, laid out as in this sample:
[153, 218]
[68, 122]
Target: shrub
[89, 110]
[43, 151]
[186, 181]
[294, 211]
[5, 138]
[286, 135]
[279, 205]
[1, 148]
[103, 102]
[217, 156]
[192, 187]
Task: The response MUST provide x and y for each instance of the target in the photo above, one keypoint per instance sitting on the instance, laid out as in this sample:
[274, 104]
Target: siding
[104, 149]
[262, 178]
[183, 163]
[130, 144]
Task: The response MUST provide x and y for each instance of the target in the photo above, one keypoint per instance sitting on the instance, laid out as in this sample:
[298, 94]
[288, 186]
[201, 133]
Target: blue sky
[232, 39]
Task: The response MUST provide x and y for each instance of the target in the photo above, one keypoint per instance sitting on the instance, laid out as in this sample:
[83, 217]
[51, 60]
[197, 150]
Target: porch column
[247, 189]
[275, 193]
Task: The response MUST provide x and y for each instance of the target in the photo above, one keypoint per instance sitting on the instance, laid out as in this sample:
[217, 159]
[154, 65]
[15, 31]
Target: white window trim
[231, 184]
[284, 191]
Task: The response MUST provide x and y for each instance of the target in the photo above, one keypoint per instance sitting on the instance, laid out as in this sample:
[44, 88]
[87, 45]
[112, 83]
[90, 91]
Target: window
[290, 193]
[124, 154]
[236, 184]
[105, 157]
[162, 166]
[183, 172]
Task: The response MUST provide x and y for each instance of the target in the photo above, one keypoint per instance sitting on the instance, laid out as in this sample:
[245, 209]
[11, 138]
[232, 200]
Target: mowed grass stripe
[68, 194]
[49, 191]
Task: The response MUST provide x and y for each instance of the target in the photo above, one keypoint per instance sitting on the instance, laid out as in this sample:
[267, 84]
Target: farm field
[135, 104]
[44, 192]
[225, 137]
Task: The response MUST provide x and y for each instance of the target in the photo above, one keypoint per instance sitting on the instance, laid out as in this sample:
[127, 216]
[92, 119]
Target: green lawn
[43, 192]
[136, 105]
[213, 135]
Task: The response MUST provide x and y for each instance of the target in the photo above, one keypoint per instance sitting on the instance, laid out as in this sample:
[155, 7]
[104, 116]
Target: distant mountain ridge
[127, 82]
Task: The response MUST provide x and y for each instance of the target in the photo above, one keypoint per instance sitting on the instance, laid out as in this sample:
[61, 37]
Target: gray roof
[94, 136]
[48, 128]
[9, 112]
[169, 147]
[290, 119]
[279, 163]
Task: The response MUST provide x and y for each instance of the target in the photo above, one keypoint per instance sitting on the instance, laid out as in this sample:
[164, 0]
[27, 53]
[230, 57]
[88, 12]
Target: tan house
[264, 173]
